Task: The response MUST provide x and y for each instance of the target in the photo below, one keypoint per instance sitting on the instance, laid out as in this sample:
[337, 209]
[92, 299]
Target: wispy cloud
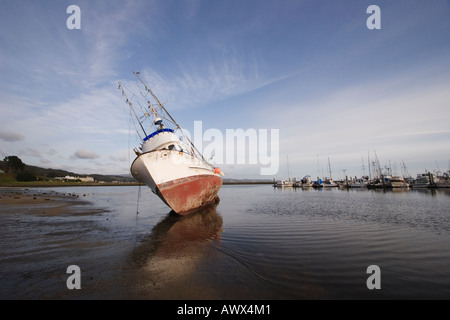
[195, 86]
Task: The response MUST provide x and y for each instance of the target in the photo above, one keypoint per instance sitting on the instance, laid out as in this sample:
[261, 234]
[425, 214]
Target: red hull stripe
[191, 193]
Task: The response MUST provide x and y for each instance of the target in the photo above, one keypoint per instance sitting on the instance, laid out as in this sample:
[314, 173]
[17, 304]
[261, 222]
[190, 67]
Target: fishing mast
[194, 149]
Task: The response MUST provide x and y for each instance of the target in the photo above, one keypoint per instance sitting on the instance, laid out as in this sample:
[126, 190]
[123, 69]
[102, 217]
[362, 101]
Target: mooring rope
[139, 196]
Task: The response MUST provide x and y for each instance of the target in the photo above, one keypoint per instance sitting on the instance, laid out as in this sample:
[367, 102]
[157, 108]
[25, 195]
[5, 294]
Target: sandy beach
[43, 203]
[44, 231]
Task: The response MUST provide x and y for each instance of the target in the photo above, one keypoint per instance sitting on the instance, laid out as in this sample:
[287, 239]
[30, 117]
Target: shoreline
[39, 184]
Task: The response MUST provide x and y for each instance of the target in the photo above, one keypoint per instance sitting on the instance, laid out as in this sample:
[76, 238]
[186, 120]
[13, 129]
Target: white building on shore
[72, 178]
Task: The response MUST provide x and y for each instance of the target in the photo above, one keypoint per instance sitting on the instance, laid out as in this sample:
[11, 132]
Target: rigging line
[135, 96]
[130, 120]
[131, 106]
[135, 127]
[143, 109]
[129, 129]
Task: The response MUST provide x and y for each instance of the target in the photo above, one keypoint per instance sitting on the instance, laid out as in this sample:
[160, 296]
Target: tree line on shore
[16, 169]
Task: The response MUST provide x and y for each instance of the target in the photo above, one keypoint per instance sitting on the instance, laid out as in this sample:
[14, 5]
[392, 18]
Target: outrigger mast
[131, 107]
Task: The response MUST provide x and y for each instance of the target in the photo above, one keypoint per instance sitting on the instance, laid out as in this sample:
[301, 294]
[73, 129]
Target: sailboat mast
[363, 168]
[329, 167]
[287, 162]
[318, 168]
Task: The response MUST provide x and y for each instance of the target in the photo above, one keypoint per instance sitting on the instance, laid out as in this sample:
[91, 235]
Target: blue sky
[311, 69]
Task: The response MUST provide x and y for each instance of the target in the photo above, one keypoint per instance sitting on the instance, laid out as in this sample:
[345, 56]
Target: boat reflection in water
[171, 254]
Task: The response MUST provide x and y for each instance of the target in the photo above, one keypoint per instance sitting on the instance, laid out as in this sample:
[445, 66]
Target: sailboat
[173, 169]
[286, 183]
[328, 182]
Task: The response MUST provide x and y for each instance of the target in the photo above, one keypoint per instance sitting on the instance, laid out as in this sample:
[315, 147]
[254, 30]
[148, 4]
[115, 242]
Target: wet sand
[43, 203]
[44, 232]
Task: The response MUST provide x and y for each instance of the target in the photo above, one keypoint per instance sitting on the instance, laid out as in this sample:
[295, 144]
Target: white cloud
[85, 154]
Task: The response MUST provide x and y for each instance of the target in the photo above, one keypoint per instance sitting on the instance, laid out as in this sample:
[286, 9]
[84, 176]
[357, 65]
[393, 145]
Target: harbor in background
[377, 178]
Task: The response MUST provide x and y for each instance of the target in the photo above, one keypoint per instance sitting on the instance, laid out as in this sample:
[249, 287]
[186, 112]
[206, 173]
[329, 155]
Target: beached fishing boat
[173, 169]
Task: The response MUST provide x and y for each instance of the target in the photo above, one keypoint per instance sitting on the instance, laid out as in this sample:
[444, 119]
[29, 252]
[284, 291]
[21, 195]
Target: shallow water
[257, 243]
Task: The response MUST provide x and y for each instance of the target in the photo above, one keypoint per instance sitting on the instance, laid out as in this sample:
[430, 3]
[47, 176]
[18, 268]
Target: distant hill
[53, 173]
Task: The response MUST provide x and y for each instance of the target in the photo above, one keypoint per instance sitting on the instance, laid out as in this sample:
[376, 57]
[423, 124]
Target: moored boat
[377, 183]
[289, 183]
[443, 181]
[329, 183]
[318, 183]
[359, 182]
[398, 182]
[306, 182]
[423, 180]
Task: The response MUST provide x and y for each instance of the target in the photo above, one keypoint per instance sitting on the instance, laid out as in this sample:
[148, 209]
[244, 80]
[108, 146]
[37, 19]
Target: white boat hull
[182, 181]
